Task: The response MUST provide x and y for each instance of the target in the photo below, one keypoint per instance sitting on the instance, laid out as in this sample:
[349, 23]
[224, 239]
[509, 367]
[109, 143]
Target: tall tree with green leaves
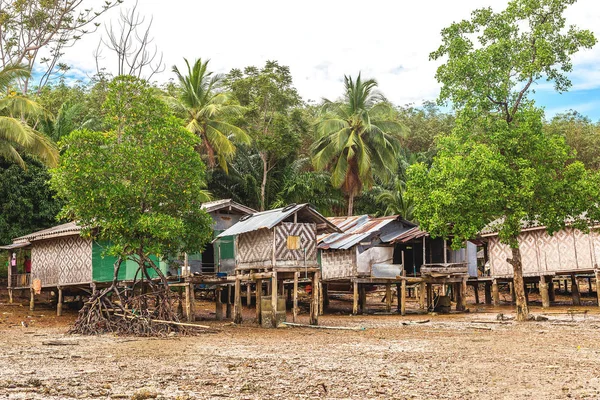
[16, 134]
[207, 110]
[139, 186]
[271, 116]
[357, 138]
[499, 164]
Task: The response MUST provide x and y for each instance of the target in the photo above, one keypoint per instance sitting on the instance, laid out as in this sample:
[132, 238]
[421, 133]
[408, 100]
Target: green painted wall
[103, 265]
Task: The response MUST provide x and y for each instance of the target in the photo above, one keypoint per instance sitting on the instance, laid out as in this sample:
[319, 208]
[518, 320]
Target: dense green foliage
[499, 163]
[129, 184]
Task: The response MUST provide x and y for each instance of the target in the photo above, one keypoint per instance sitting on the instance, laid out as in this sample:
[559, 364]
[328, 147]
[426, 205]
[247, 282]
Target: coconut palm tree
[206, 111]
[357, 138]
[395, 201]
[16, 135]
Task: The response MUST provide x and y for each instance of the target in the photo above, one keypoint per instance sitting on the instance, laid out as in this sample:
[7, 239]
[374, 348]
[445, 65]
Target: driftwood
[341, 328]
[59, 343]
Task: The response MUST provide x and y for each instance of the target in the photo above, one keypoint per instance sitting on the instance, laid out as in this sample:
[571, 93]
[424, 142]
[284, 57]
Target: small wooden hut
[62, 260]
[278, 245]
[363, 254]
[568, 252]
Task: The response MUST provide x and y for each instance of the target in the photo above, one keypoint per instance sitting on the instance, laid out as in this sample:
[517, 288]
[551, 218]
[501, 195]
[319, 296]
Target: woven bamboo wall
[338, 264]
[255, 247]
[567, 250]
[62, 261]
[308, 243]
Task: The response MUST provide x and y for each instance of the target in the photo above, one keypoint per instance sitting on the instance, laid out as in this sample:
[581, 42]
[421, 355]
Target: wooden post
[228, 304]
[321, 306]
[218, 303]
[274, 296]
[463, 295]
[544, 292]
[488, 293]
[59, 304]
[551, 294]
[511, 289]
[589, 282]
[259, 288]
[575, 291]
[248, 294]
[495, 293]
[388, 297]
[403, 290]
[325, 294]
[237, 302]
[10, 295]
[188, 303]
[314, 309]
[31, 299]
[526, 291]
[429, 296]
[295, 298]
[422, 294]
[363, 298]
[355, 299]
[398, 295]
[597, 273]
[476, 289]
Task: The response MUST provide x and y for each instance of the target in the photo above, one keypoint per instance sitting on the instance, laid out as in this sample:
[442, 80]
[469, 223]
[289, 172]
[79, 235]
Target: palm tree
[395, 200]
[16, 135]
[357, 138]
[206, 112]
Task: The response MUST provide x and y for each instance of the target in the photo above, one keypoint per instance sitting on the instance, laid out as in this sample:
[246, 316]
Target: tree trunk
[519, 286]
[263, 184]
[350, 204]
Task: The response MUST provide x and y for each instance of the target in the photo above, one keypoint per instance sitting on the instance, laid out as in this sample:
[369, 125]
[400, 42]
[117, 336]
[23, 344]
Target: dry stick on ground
[123, 310]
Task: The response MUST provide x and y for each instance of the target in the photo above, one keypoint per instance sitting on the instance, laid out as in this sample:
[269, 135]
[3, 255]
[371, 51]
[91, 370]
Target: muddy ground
[458, 356]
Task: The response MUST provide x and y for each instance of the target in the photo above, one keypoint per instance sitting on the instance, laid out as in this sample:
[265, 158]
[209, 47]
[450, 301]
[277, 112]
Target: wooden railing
[19, 280]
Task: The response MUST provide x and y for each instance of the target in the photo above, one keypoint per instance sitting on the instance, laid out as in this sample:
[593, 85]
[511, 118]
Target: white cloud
[323, 40]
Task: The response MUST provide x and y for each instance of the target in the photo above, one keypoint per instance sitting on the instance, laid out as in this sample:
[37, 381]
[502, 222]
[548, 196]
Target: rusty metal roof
[269, 219]
[362, 227]
[407, 236]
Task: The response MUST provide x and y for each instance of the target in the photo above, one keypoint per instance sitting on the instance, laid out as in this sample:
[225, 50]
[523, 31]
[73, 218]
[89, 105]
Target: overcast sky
[323, 40]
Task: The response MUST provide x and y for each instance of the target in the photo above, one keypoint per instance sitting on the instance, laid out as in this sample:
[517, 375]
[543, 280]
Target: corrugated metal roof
[359, 228]
[70, 228]
[211, 206]
[407, 236]
[15, 245]
[270, 218]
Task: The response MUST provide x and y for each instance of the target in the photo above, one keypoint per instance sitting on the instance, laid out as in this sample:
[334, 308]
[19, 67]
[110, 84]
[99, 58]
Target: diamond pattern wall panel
[255, 246]
[62, 261]
[308, 242]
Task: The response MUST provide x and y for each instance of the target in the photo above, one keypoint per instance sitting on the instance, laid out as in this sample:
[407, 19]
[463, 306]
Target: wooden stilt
[589, 282]
[429, 296]
[228, 306]
[488, 292]
[321, 298]
[551, 294]
[355, 299]
[325, 294]
[388, 297]
[511, 289]
[314, 311]
[188, 303]
[476, 290]
[403, 290]
[59, 304]
[363, 298]
[274, 298]
[237, 303]
[248, 294]
[422, 295]
[526, 290]
[259, 289]
[31, 299]
[459, 295]
[218, 303]
[398, 295]
[544, 292]
[295, 298]
[575, 291]
[10, 296]
[597, 274]
[495, 293]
